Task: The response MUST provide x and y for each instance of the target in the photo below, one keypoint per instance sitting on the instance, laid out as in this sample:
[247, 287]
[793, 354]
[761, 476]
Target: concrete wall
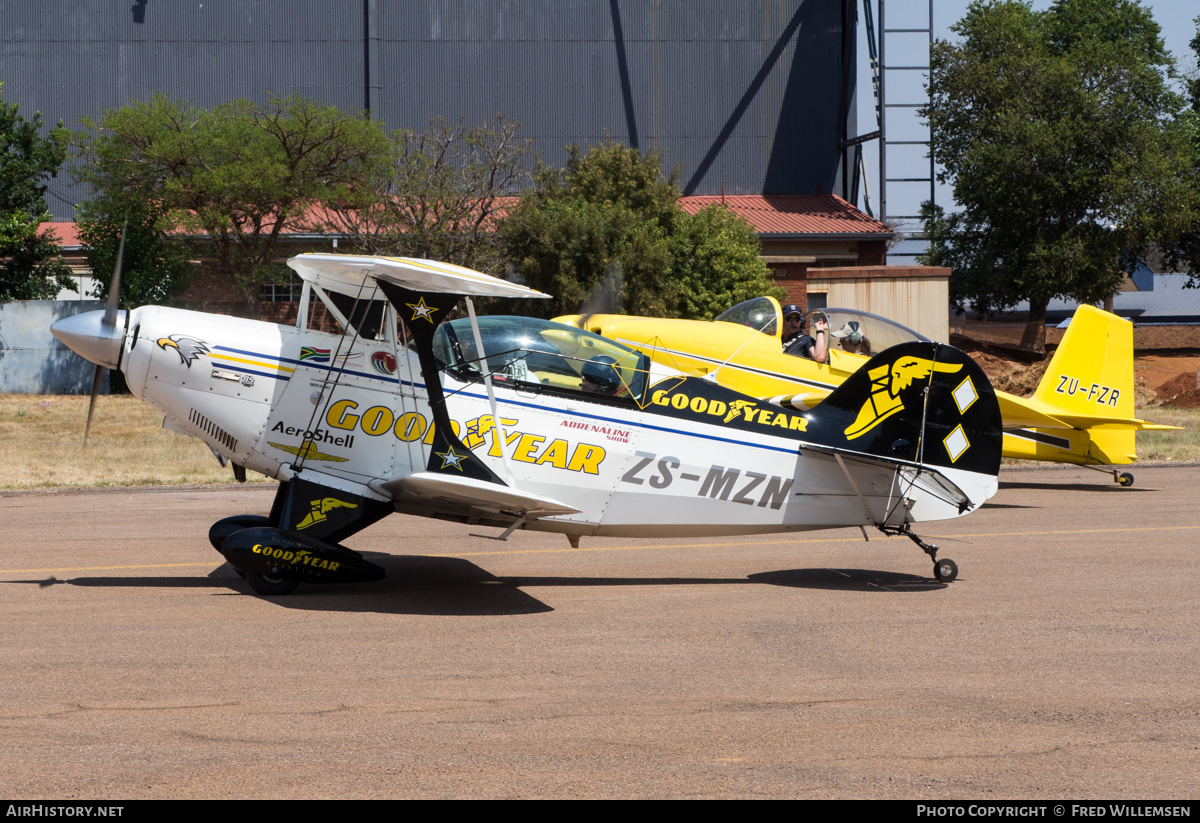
[32, 361]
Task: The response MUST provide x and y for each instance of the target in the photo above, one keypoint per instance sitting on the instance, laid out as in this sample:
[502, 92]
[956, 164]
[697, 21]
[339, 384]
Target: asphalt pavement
[1062, 663]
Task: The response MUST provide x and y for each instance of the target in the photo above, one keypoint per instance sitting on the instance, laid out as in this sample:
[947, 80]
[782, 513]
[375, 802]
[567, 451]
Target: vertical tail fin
[920, 401]
[1091, 375]
[1091, 372]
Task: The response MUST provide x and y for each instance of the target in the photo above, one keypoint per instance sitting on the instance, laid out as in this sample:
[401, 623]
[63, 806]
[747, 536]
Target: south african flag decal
[308, 353]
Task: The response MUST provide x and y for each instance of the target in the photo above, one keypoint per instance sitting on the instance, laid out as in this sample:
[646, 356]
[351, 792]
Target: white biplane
[510, 422]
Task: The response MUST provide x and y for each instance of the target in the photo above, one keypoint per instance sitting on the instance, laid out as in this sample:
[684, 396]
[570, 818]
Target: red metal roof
[793, 213]
[67, 233]
[767, 214]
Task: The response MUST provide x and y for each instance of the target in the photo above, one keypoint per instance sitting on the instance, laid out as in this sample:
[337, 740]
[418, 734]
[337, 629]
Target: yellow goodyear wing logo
[308, 451]
[886, 384]
[321, 509]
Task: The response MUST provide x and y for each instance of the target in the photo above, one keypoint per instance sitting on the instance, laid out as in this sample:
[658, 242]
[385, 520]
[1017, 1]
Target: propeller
[605, 297]
[107, 324]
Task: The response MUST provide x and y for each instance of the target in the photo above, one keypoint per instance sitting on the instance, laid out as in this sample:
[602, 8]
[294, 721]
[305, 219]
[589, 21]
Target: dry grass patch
[1183, 446]
[41, 446]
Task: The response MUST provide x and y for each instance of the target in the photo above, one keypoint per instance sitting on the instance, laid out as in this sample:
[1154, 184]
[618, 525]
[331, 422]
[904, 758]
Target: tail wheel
[1125, 479]
[945, 570]
[271, 585]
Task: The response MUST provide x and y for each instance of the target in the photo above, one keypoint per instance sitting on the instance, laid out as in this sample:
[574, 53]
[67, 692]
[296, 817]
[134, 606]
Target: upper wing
[344, 273]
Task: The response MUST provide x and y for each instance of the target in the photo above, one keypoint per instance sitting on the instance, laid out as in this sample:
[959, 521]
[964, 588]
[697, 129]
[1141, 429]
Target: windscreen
[760, 314]
[538, 353]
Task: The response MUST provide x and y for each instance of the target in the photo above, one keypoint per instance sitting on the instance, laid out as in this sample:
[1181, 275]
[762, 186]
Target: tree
[1184, 251]
[716, 264]
[230, 180]
[606, 234]
[30, 268]
[1055, 130]
[440, 195]
[153, 270]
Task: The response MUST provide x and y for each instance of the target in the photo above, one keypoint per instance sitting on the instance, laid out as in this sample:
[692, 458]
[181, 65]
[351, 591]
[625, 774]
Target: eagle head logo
[188, 348]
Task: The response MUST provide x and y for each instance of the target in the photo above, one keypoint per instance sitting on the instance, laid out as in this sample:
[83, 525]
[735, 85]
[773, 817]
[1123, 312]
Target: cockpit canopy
[760, 314]
[531, 353]
[872, 334]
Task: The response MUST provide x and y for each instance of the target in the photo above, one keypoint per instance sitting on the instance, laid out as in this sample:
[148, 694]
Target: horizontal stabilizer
[1078, 421]
[342, 270]
[931, 480]
[467, 494]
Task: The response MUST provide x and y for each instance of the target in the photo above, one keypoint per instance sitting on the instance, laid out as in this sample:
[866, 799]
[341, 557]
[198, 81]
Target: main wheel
[1125, 479]
[271, 585]
[945, 570]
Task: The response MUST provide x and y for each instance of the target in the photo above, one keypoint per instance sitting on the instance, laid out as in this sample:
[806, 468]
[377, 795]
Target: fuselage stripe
[789, 378]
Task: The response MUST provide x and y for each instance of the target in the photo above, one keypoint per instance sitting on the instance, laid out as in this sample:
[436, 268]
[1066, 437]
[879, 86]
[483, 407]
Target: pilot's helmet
[602, 371]
[850, 331]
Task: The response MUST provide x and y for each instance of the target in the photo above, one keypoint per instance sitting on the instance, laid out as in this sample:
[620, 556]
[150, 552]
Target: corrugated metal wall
[739, 94]
[32, 360]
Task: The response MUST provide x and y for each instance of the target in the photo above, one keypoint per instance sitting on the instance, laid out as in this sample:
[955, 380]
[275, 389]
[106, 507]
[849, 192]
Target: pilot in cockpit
[853, 339]
[796, 342]
[599, 375]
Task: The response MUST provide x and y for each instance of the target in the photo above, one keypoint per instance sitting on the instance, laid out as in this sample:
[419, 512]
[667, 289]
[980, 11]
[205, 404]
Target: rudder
[1091, 374]
[882, 409]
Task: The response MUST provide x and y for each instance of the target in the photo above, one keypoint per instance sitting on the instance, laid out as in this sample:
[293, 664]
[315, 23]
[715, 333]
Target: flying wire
[327, 397]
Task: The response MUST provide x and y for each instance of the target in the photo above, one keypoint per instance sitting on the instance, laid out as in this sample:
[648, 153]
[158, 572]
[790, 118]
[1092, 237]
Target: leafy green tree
[599, 226]
[154, 271]
[606, 234]
[30, 266]
[1184, 251]
[229, 181]
[440, 195]
[716, 264]
[1055, 129]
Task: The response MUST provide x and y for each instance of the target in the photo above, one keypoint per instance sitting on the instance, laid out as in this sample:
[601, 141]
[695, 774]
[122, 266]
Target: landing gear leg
[944, 570]
[1119, 477]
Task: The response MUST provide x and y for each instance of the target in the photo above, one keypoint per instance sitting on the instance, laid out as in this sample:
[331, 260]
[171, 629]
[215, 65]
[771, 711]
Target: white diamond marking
[956, 443]
[965, 395]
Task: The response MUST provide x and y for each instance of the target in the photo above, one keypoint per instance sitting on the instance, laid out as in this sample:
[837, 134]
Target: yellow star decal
[450, 458]
[421, 310]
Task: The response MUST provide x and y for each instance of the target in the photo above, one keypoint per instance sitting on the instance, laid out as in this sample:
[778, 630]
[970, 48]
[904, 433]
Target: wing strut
[754, 333]
[487, 381]
[518, 523]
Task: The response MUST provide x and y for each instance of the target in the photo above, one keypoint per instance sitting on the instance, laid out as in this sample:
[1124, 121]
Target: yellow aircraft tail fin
[1091, 377]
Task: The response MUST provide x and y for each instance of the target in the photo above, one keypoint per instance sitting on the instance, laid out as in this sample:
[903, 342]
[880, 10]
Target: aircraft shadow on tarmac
[456, 587]
[850, 580]
[1099, 488]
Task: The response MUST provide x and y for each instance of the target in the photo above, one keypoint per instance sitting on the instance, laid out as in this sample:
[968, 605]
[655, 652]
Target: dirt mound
[1011, 376]
[1180, 391]
[1174, 375]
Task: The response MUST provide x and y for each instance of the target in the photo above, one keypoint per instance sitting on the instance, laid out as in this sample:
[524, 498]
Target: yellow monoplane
[1081, 413]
